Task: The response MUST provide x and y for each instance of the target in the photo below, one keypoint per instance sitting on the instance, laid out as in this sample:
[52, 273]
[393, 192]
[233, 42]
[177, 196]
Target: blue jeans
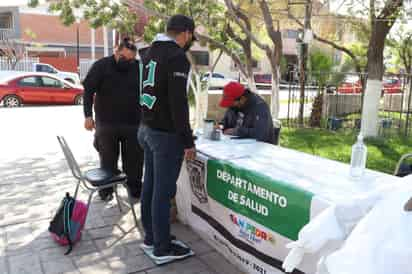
[163, 157]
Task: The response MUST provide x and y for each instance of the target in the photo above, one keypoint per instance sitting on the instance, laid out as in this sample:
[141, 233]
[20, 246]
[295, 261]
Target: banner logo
[196, 170]
[251, 233]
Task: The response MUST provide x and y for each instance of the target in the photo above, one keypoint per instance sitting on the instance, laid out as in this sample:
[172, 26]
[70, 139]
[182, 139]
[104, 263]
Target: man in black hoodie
[165, 133]
[112, 85]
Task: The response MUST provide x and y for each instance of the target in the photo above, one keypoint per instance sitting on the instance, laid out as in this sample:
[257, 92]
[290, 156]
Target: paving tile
[189, 266]
[3, 265]
[87, 259]
[131, 264]
[18, 249]
[96, 268]
[63, 265]
[218, 263]
[54, 253]
[25, 264]
[105, 232]
[18, 234]
[83, 247]
[41, 229]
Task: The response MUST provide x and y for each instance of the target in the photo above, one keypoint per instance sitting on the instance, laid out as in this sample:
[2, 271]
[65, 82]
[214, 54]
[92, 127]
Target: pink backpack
[68, 223]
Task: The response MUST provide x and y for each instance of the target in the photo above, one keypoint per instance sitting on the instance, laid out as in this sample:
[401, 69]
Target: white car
[64, 75]
[217, 80]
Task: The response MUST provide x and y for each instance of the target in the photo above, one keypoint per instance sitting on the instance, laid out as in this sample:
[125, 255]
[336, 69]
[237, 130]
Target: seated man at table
[247, 115]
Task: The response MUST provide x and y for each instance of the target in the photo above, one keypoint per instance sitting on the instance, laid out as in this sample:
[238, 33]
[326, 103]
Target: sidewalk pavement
[31, 189]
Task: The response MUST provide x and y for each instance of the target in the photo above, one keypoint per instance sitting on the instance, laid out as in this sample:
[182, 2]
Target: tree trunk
[370, 110]
[199, 106]
[251, 82]
[274, 58]
[274, 102]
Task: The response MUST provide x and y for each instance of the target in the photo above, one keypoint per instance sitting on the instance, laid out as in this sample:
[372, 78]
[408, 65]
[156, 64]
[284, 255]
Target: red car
[392, 85]
[17, 88]
[351, 84]
[263, 78]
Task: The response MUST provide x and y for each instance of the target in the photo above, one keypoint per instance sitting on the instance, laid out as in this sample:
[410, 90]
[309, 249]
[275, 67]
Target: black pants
[110, 141]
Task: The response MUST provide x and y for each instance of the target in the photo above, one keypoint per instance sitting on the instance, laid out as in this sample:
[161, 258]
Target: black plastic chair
[95, 179]
[403, 169]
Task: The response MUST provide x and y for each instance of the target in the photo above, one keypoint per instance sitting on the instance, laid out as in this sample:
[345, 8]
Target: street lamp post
[78, 44]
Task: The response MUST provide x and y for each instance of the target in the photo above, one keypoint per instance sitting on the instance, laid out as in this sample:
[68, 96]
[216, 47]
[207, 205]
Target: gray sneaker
[175, 252]
[149, 246]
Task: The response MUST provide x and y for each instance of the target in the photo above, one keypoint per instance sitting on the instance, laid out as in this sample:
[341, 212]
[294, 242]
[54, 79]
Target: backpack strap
[68, 202]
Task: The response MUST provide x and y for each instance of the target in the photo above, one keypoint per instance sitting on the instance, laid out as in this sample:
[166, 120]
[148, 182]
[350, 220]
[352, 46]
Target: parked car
[217, 80]
[65, 75]
[353, 85]
[263, 79]
[17, 88]
[350, 85]
[392, 85]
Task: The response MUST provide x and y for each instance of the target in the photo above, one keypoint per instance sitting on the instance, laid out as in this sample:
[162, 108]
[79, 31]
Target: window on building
[201, 58]
[6, 20]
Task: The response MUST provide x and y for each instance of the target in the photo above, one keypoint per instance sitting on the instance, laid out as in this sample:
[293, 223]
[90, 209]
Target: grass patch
[382, 114]
[383, 153]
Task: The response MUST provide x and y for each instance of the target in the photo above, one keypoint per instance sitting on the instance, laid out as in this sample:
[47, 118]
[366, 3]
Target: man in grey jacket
[248, 115]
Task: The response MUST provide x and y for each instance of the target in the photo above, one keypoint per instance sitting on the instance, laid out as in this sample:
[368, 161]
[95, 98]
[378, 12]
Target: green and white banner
[246, 216]
[273, 204]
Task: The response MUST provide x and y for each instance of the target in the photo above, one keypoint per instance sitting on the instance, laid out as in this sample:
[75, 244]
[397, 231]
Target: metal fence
[85, 65]
[338, 105]
[25, 64]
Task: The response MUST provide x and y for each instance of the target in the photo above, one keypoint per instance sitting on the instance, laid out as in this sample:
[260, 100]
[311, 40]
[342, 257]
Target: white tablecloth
[243, 238]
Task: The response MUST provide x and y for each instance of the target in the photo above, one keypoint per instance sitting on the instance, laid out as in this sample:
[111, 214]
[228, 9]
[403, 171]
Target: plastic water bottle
[358, 158]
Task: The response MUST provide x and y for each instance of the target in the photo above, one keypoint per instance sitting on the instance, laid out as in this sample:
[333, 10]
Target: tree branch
[236, 38]
[225, 49]
[332, 44]
[267, 16]
[232, 13]
[390, 8]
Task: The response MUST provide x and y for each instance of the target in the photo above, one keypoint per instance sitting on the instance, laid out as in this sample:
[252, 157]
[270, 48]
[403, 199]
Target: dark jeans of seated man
[163, 158]
[110, 141]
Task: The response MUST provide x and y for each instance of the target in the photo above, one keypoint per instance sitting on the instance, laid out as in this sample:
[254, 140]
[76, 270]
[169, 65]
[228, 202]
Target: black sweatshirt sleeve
[91, 85]
[229, 119]
[260, 128]
[178, 77]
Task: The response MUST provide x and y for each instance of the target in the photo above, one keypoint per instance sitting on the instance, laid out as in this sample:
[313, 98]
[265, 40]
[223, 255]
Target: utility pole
[78, 45]
[304, 59]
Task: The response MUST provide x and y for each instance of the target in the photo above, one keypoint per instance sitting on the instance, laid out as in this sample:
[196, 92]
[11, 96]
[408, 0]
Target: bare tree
[273, 51]
[12, 50]
[245, 43]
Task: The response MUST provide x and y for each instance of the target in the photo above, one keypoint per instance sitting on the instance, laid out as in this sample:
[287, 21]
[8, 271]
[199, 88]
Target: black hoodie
[114, 93]
[164, 88]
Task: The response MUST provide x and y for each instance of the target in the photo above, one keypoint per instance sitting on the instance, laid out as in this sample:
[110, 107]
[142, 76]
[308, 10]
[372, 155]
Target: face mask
[123, 64]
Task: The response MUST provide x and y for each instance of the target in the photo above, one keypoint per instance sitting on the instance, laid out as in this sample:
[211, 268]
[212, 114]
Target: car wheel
[70, 80]
[11, 101]
[78, 100]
